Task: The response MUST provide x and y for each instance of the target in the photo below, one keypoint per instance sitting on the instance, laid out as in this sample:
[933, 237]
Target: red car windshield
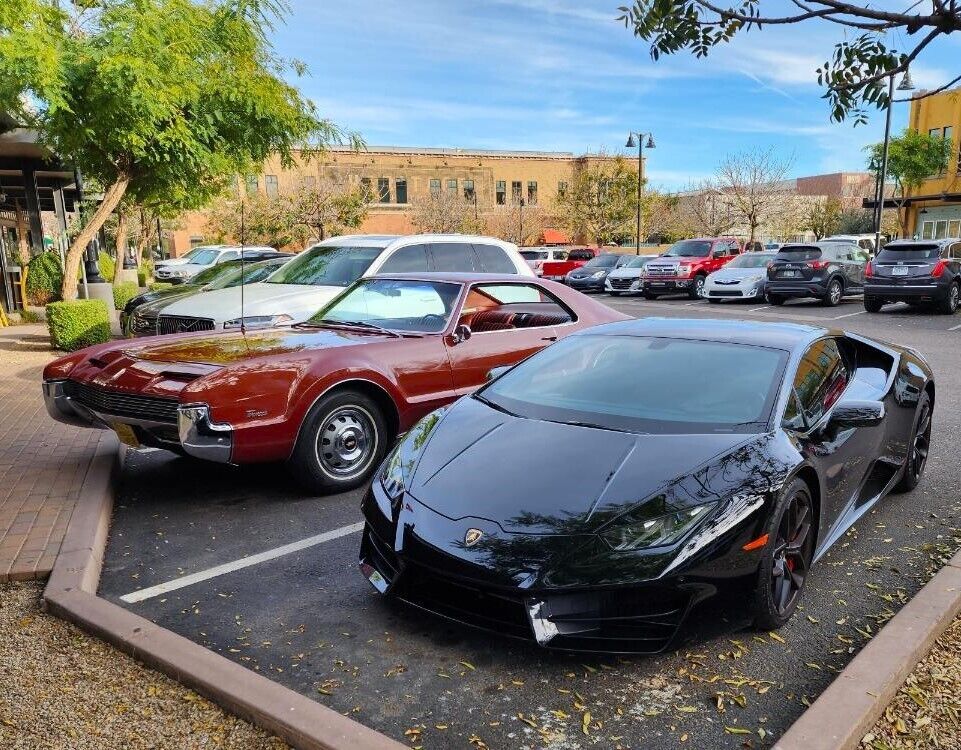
[689, 249]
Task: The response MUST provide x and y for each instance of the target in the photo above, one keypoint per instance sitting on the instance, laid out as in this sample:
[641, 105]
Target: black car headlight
[399, 466]
[658, 531]
[396, 471]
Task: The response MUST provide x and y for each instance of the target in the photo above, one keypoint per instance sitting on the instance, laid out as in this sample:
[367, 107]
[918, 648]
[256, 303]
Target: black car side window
[821, 378]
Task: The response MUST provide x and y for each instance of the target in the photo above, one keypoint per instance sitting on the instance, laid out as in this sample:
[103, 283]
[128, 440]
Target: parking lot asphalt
[242, 562]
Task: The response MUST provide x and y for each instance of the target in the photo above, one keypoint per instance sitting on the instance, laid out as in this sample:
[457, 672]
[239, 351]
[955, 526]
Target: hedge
[141, 278]
[107, 266]
[44, 278]
[156, 286]
[123, 293]
[78, 323]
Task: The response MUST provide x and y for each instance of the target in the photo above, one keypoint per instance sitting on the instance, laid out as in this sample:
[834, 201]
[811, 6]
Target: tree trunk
[79, 245]
[121, 244]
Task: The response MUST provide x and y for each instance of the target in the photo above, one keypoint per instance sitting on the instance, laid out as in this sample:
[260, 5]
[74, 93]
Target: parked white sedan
[175, 272]
[626, 279]
[743, 278]
[312, 279]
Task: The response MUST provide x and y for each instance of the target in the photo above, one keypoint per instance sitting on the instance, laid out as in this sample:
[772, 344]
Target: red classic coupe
[329, 395]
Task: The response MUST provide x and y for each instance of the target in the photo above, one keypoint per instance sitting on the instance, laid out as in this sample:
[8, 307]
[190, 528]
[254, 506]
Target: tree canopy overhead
[158, 100]
[855, 75]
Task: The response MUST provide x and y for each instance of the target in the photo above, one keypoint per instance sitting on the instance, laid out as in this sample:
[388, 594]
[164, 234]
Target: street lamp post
[520, 223]
[640, 174]
[905, 85]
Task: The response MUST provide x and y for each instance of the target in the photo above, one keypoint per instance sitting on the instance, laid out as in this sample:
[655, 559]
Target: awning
[899, 203]
[554, 237]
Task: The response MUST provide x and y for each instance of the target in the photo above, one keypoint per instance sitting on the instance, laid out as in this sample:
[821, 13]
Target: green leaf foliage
[913, 157]
[123, 293]
[44, 277]
[78, 323]
[157, 286]
[106, 264]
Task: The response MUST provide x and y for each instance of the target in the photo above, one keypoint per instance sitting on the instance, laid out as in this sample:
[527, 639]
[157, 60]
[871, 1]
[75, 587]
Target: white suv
[305, 284]
[180, 270]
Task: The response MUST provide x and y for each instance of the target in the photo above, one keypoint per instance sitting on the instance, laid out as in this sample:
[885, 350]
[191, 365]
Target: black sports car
[718, 461]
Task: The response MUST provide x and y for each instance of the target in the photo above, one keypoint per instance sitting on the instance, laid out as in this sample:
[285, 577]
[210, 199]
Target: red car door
[508, 323]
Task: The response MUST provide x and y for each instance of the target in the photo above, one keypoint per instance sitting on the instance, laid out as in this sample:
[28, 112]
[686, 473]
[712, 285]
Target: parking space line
[849, 315]
[954, 328]
[695, 302]
[244, 562]
[762, 307]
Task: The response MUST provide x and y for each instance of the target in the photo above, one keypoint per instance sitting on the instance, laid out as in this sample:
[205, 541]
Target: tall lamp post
[905, 85]
[641, 145]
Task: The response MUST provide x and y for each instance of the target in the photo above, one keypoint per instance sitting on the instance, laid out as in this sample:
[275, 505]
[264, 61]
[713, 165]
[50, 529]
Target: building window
[947, 133]
[935, 132]
[452, 187]
[310, 182]
[532, 192]
[435, 187]
[383, 190]
[927, 230]
[501, 192]
[516, 191]
[270, 185]
[959, 159]
[252, 184]
[469, 190]
[561, 189]
[365, 188]
[400, 189]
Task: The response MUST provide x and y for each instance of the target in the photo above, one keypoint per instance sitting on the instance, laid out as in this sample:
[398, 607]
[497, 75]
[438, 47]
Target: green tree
[857, 73]
[913, 157]
[600, 203]
[159, 100]
[823, 216]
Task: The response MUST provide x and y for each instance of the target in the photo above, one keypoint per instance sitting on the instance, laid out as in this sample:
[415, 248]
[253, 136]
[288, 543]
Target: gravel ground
[926, 712]
[61, 689]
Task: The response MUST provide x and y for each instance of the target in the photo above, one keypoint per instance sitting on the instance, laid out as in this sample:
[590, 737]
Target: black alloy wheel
[787, 558]
[919, 447]
[873, 304]
[650, 296]
[949, 305]
[775, 299]
[835, 291]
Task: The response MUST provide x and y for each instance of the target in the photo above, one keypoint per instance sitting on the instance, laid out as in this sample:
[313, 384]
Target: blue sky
[564, 75]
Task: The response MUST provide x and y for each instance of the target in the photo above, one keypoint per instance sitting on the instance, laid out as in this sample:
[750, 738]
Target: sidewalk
[42, 462]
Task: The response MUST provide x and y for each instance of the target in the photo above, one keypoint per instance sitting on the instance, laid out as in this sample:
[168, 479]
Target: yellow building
[397, 176]
[934, 210]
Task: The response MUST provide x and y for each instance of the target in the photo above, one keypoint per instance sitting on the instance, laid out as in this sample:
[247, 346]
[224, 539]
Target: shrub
[123, 293]
[30, 316]
[107, 266]
[78, 323]
[156, 286]
[141, 277]
[44, 278]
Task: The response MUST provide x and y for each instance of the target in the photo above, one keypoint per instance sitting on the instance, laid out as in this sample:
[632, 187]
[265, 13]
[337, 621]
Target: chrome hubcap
[835, 292]
[699, 286]
[922, 442]
[791, 553]
[346, 441]
[955, 298]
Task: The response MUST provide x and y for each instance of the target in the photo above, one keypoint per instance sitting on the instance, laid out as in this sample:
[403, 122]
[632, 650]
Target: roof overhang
[914, 199]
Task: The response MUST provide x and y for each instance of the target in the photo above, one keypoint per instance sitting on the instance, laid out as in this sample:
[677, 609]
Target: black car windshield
[209, 275]
[689, 249]
[603, 261]
[327, 265]
[794, 253]
[645, 384]
[251, 273]
[398, 305]
[919, 251]
[751, 260]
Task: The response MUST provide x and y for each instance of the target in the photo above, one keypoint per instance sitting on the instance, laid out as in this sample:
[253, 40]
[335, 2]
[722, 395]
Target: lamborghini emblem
[472, 537]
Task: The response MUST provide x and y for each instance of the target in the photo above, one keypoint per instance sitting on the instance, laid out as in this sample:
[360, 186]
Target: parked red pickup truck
[556, 270]
[683, 268]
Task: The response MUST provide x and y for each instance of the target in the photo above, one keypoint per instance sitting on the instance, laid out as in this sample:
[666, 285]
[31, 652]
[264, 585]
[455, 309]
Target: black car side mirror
[461, 334]
[496, 372]
[848, 414]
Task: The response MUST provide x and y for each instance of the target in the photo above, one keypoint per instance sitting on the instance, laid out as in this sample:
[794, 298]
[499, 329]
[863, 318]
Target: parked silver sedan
[743, 278]
[626, 279]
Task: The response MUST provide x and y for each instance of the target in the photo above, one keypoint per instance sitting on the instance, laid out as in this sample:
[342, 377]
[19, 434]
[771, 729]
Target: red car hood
[221, 349]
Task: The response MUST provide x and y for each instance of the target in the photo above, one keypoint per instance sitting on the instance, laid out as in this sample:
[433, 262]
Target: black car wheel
[787, 559]
[834, 293]
[714, 300]
[697, 287]
[342, 439]
[920, 444]
[650, 296]
[775, 299]
[949, 305]
[873, 304]
[614, 294]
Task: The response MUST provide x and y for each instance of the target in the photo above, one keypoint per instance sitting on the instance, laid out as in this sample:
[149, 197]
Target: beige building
[396, 176]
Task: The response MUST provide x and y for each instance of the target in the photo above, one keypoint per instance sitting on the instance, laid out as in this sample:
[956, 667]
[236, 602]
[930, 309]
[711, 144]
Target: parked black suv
[919, 272]
[825, 270]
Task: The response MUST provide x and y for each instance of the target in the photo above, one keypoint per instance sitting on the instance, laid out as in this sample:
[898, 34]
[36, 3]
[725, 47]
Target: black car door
[843, 458]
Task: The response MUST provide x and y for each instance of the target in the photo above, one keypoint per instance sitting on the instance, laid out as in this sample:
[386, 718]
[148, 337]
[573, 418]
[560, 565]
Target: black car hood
[535, 477]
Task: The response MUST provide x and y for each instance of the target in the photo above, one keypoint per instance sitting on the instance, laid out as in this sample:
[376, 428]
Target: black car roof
[787, 336]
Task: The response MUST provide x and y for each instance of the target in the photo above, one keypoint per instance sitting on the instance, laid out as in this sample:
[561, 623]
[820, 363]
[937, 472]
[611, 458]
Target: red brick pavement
[42, 462]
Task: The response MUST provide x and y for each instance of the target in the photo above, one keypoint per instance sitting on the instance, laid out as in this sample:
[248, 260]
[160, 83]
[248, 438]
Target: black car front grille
[149, 408]
[621, 283]
[725, 293]
[183, 324]
[141, 325]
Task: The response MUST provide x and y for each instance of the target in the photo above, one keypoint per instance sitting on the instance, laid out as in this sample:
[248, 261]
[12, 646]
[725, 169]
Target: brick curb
[850, 706]
[71, 594]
